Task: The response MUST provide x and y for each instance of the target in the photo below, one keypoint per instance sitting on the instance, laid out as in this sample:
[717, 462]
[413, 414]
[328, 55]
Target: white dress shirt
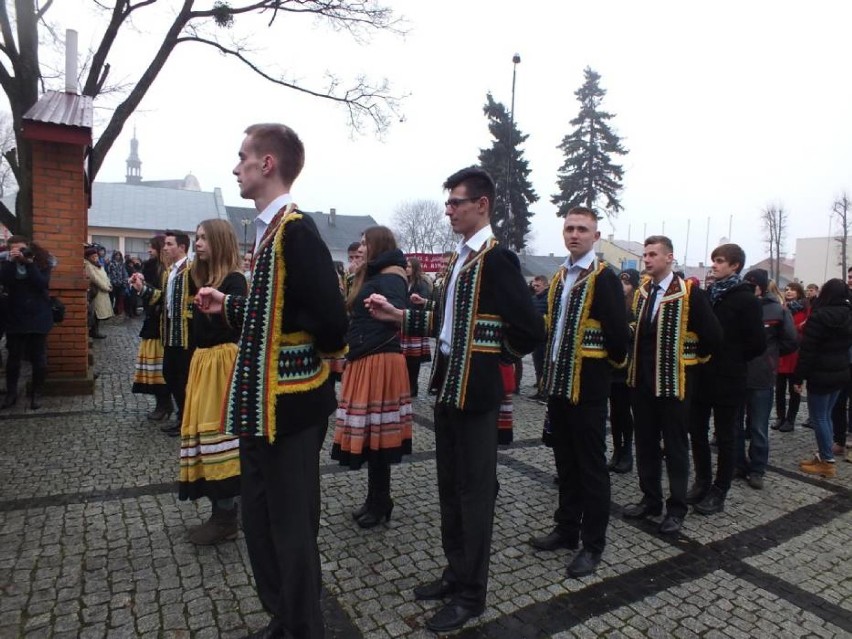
[170, 286]
[261, 222]
[475, 243]
[664, 286]
[572, 272]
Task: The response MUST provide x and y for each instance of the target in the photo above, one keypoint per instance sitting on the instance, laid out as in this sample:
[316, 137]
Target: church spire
[134, 164]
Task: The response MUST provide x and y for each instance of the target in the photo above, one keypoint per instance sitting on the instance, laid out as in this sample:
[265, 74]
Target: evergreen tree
[503, 160]
[588, 174]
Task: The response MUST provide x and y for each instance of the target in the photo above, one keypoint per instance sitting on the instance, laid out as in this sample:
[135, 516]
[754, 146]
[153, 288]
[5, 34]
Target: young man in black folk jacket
[587, 337]
[721, 384]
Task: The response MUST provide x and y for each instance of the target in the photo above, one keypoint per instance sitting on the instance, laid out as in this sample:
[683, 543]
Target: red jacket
[787, 363]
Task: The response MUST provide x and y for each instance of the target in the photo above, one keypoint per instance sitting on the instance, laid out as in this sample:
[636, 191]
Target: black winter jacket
[723, 379]
[824, 350]
[28, 303]
[781, 339]
[368, 336]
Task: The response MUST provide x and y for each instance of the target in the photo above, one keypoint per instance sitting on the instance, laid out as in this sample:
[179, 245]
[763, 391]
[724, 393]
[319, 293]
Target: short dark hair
[354, 246]
[731, 253]
[476, 180]
[181, 238]
[540, 278]
[280, 141]
[584, 210]
[660, 239]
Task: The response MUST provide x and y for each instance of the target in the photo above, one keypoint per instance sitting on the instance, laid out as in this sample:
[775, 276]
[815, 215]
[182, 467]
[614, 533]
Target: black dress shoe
[172, 430]
[696, 493]
[625, 462]
[585, 563]
[671, 525]
[434, 590]
[554, 540]
[271, 631]
[713, 502]
[640, 510]
[452, 617]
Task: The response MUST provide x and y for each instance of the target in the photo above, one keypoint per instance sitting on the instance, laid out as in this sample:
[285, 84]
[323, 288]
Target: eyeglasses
[455, 202]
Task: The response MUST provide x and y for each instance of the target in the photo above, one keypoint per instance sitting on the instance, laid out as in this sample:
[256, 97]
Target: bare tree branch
[420, 226]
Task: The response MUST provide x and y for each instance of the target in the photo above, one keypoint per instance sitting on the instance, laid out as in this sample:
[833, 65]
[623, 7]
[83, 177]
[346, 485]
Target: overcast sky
[725, 108]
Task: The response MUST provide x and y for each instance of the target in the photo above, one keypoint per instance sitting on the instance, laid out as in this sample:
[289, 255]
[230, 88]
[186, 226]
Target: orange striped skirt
[148, 376]
[374, 414]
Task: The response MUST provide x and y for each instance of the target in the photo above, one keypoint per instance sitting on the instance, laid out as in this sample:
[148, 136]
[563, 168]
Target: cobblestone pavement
[92, 540]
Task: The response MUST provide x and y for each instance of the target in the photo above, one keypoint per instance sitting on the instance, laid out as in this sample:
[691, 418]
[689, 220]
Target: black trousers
[538, 365]
[34, 345]
[725, 423]
[620, 416]
[666, 418]
[466, 457]
[176, 372]
[280, 496]
[784, 385]
[579, 446]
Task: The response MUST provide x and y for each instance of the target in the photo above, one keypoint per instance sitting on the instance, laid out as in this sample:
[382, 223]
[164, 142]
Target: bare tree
[24, 32]
[420, 226]
[774, 219]
[840, 208]
[8, 184]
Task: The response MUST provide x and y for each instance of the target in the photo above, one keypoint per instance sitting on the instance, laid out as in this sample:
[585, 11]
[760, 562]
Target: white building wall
[818, 259]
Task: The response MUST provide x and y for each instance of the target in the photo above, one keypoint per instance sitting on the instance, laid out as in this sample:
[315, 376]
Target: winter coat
[722, 380]
[99, 283]
[366, 335]
[28, 301]
[781, 337]
[824, 351]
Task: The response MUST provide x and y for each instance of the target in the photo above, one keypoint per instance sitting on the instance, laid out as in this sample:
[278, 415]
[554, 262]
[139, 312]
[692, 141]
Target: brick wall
[60, 218]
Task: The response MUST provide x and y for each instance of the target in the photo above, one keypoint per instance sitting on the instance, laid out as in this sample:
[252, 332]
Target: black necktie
[652, 300]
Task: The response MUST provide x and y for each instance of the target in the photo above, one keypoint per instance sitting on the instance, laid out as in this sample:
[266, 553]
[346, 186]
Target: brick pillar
[60, 212]
[59, 128]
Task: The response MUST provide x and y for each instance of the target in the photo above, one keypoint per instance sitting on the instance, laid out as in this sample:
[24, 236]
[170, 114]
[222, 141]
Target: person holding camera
[25, 277]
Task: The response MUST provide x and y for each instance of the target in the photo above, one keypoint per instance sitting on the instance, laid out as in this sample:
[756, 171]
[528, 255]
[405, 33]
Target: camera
[27, 253]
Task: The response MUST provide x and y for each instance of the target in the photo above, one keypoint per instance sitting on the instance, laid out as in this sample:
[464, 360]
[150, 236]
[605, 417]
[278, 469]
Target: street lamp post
[509, 221]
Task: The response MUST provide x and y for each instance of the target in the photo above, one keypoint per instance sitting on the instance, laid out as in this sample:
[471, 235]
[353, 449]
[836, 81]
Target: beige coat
[99, 281]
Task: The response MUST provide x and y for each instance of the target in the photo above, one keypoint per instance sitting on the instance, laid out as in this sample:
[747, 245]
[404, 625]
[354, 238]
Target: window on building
[109, 242]
[137, 247]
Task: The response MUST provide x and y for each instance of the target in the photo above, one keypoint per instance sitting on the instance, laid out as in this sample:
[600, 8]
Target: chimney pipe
[332, 217]
[70, 61]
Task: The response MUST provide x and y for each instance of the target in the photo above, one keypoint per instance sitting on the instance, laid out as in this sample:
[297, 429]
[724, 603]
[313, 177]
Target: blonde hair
[772, 289]
[223, 256]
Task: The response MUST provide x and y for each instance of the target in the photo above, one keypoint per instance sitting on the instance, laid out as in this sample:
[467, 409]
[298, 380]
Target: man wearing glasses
[483, 314]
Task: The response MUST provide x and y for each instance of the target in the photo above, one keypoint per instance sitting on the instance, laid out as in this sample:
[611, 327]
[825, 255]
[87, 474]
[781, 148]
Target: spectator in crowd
[102, 256]
[247, 257]
[786, 412]
[753, 422]
[721, 383]
[374, 413]
[209, 457]
[148, 378]
[100, 288]
[841, 414]
[811, 292]
[118, 275]
[620, 411]
[540, 288]
[25, 277]
[824, 365]
[416, 349]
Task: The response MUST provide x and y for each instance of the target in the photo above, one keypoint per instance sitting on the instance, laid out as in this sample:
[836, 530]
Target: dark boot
[12, 371]
[35, 389]
[222, 526]
[362, 510]
[625, 460]
[163, 410]
[379, 504]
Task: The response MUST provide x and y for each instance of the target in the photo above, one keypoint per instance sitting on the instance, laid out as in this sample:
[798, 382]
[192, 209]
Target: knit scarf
[795, 306]
[720, 288]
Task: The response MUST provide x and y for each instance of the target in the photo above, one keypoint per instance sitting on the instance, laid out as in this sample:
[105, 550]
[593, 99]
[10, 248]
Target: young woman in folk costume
[416, 349]
[374, 412]
[209, 459]
[148, 378]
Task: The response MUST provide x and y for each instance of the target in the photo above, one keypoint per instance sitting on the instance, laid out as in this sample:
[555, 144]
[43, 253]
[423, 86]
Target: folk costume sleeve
[613, 314]
[523, 326]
